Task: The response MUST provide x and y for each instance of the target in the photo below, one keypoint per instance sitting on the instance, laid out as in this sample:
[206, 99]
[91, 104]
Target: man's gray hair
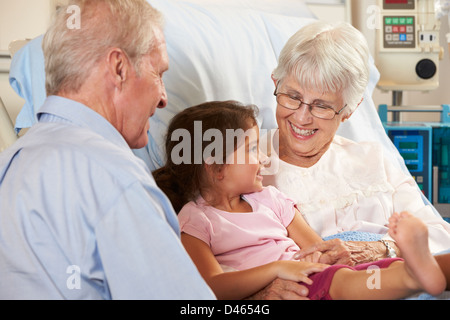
[71, 53]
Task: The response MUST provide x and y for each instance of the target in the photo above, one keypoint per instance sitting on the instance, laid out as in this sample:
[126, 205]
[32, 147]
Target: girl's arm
[241, 284]
[300, 231]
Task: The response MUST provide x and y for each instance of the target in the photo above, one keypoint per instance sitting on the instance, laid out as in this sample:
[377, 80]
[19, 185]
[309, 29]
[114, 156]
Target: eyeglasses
[317, 110]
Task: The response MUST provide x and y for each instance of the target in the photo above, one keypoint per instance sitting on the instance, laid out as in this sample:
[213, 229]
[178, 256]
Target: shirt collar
[67, 110]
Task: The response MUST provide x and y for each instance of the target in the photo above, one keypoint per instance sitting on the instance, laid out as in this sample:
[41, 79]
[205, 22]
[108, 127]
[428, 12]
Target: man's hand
[282, 290]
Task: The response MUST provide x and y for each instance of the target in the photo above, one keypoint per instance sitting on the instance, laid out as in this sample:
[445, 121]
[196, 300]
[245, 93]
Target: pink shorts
[320, 288]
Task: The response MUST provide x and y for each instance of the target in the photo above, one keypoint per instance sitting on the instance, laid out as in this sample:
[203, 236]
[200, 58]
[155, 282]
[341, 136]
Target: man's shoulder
[78, 148]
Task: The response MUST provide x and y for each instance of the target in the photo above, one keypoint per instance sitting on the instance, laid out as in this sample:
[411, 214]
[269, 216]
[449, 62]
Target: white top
[353, 187]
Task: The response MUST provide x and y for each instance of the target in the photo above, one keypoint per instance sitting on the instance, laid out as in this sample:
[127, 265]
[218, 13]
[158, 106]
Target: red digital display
[396, 1]
[399, 4]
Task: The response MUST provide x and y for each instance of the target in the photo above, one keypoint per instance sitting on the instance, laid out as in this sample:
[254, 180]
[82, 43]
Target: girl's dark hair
[182, 182]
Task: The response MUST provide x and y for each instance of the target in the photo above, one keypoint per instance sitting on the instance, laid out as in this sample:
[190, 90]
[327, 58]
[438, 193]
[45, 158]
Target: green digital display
[408, 145]
[410, 156]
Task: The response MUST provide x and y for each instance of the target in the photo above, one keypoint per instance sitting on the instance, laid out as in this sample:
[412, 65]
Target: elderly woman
[339, 185]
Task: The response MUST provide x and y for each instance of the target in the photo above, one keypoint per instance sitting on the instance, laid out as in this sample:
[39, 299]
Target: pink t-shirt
[244, 240]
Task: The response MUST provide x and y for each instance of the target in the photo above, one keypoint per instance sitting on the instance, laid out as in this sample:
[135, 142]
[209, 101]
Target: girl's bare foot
[411, 236]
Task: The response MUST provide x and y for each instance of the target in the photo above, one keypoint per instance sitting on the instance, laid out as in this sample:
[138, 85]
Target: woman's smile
[303, 133]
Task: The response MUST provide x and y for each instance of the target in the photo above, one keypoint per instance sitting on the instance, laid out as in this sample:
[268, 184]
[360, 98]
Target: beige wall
[19, 19]
[23, 19]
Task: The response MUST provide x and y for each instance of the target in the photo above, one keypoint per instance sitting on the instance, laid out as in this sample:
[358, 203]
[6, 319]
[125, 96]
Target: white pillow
[221, 50]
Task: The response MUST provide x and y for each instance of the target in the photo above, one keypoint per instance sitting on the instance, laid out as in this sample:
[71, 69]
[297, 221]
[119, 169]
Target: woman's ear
[347, 116]
[275, 81]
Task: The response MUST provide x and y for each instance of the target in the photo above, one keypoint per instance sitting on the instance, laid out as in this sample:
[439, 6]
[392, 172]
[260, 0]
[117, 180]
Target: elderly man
[80, 216]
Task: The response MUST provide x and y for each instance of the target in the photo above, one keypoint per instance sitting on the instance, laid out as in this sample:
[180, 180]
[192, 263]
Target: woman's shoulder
[343, 149]
[355, 156]
[346, 145]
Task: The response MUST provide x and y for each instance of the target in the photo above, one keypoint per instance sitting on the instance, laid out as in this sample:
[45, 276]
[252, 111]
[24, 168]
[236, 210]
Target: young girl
[229, 221]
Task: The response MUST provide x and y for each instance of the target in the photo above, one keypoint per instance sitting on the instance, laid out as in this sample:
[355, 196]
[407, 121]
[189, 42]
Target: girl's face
[303, 137]
[242, 173]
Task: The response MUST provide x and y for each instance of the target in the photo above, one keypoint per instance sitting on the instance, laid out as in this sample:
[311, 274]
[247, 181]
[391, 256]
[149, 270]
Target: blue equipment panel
[410, 146]
[441, 155]
[431, 169]
[414, 144]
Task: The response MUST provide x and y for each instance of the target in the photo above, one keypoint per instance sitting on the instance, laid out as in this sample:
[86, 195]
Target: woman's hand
[313, 257]
[350, 253]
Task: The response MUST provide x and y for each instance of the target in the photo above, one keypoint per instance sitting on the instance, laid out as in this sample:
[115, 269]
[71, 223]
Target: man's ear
[118, 66]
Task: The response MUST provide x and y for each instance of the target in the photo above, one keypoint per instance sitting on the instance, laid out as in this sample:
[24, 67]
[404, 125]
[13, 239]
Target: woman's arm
[333, 251]
[241, 284]
[351, 253]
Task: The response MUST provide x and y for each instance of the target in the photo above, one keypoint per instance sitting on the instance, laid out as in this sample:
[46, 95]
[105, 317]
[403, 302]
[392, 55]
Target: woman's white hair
[327, 57]
[71, 53]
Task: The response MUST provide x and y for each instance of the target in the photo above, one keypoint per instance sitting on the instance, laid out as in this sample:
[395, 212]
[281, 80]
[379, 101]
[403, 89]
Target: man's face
[145, 93]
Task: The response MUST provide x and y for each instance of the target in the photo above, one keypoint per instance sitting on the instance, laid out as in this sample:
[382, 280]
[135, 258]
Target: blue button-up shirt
[82, 218]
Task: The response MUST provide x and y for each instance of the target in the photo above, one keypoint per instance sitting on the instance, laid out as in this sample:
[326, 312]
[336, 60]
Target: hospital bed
[218, 50]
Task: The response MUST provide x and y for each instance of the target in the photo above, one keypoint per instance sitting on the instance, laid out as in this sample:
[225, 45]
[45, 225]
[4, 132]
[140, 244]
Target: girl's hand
[298, 270]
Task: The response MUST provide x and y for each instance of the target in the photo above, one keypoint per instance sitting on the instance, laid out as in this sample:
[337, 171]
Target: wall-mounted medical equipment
[425, 147]
[407, 48]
